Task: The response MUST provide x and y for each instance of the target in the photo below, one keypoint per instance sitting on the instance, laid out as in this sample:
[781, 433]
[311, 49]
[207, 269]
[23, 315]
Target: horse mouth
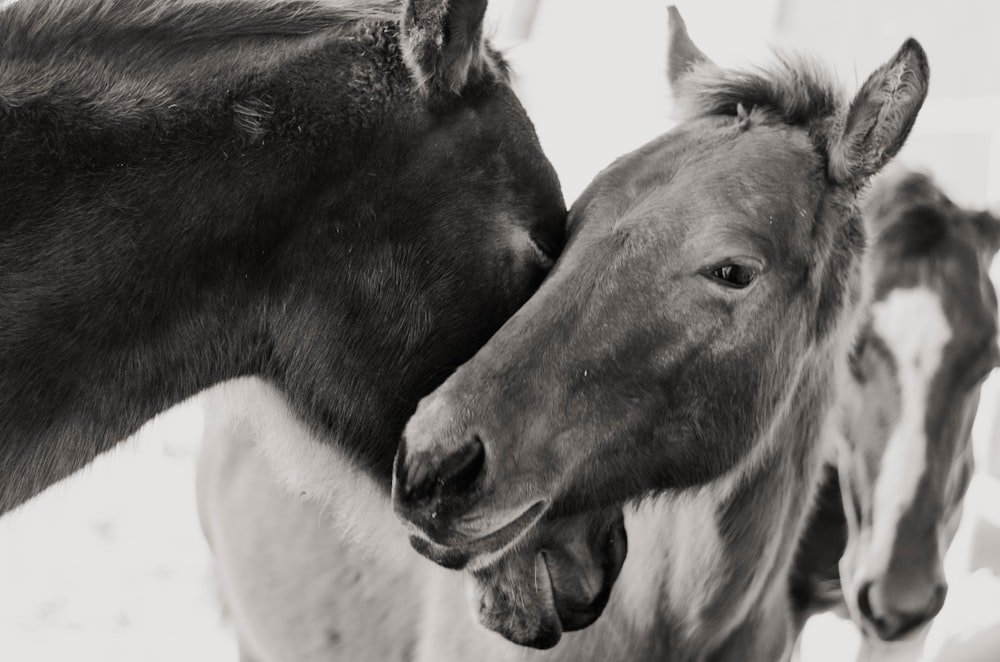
[554, 576]
[455, 549]
[522, 599]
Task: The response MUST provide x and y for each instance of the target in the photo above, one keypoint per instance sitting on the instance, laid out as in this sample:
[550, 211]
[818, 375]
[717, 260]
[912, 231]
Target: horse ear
[682, 54]
[442, 42]
[881, 116]
[988, 228]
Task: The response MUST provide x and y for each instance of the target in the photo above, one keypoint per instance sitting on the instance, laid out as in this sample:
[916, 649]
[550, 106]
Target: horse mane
[97, 49]
[29, 26]
[797, 90]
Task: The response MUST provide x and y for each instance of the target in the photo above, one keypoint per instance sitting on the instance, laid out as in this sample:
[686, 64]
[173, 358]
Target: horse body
[905, 457]
[343, 201]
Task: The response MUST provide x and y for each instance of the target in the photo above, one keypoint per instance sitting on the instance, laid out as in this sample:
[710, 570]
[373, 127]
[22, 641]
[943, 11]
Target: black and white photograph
[499, 331]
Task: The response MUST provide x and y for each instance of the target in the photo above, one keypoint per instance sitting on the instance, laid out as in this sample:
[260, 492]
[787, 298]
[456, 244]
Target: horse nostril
[880, 624]
[940, 593]
[461, 469]
[864, 604]
[414, 476]
[423, 478]
[894, 621]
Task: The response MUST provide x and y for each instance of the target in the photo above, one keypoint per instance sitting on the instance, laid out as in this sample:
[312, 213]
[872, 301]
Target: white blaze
[913, 325]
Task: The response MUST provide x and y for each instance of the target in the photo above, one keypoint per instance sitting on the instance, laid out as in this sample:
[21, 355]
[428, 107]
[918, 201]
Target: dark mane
[29, 27]
[120, 53]
[912, 218]
[796, 90]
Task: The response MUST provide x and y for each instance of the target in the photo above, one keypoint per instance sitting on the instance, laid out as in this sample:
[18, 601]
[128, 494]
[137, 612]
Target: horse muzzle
[894, 615]
[559, 581]
[557, 578]
[440, 499]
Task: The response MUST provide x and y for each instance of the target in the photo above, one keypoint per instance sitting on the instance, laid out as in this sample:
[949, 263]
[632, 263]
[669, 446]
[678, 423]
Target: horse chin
[559, 580]
[515, 598]
[538, 575]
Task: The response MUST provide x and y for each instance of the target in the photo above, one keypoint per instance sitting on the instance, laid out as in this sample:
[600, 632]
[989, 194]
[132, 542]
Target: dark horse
[343, 201]
[686, 349]
[891, 502]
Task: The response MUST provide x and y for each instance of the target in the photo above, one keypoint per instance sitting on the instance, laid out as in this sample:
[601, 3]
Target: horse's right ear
[988, 228]
[442, 42]
[682, 54]
[880, 117]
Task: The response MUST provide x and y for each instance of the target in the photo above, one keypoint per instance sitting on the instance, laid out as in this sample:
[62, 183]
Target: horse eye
[734, 275]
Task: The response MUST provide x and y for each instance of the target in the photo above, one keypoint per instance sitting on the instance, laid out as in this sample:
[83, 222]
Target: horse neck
[85, 363]
[705, 563]
[137, 271]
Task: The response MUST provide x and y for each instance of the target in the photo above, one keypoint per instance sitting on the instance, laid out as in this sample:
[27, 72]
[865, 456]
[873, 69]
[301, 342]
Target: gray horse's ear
[880, 117]
[682, 54]
[442, 42]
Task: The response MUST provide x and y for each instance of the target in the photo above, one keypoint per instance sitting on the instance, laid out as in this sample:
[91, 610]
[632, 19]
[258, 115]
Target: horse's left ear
[682, 54]
[442, 42]
[880, 117]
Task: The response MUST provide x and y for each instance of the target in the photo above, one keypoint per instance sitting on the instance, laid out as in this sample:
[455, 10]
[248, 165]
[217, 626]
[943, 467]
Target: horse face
[661, 330]
[916, 376]
[658, 345]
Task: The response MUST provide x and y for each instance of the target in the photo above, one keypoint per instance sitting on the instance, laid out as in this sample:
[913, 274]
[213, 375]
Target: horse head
[905, 457]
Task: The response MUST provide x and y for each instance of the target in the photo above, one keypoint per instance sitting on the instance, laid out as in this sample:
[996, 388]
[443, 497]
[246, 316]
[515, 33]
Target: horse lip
[454, 550]
[451, 559]
[909, 633]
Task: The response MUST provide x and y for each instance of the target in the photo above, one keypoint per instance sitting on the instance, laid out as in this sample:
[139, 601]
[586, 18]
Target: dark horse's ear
[442, 42]
[988, 228]
[880, 117]
[682, 54]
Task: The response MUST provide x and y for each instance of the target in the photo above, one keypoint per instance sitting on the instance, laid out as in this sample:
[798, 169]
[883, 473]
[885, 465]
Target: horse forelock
[795, 90]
